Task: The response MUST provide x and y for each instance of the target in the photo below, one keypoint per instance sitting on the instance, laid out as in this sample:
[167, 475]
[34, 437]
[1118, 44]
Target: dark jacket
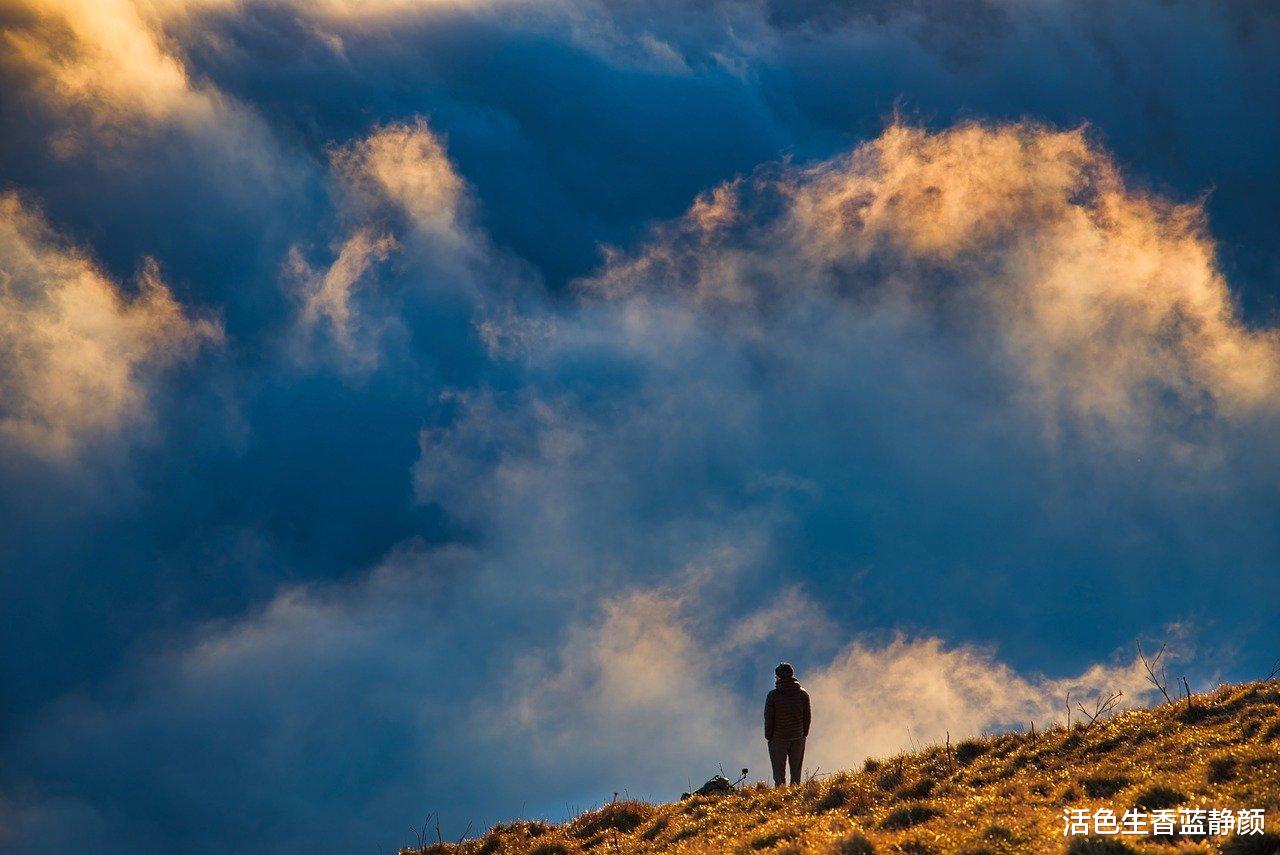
[786, 711]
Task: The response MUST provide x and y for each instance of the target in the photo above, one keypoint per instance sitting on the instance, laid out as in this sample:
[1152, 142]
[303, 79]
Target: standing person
[786, 724]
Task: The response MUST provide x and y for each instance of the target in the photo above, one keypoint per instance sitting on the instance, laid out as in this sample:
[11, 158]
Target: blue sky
[414, 407]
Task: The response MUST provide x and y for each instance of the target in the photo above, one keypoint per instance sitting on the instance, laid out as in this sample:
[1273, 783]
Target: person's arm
[770, 715]
[808, 716]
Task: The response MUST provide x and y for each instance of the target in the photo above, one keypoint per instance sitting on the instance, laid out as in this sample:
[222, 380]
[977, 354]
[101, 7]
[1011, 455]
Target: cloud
[1104, 301]
[797, 421]
[960, 408]
[406, 165]
[109, 59]
[396, 180]
[642, 691]
[327, 297]
[921, 355]
[877, 700]
[647, 685]
[79, 354]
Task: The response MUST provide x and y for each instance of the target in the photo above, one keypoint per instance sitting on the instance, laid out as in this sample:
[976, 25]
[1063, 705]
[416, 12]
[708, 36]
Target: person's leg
[778, 759]
[795, 754]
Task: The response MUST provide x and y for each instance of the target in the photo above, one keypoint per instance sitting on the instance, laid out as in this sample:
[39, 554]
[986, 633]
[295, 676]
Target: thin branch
[1160, 679]
[1100, 708]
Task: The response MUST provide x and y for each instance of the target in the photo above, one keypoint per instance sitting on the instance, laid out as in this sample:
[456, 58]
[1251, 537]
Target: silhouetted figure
[786, 724]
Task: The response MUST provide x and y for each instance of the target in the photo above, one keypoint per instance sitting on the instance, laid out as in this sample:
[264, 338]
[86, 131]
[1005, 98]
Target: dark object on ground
[717, 786]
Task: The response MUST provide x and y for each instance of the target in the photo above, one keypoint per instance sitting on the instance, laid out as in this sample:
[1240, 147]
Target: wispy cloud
[77, 351]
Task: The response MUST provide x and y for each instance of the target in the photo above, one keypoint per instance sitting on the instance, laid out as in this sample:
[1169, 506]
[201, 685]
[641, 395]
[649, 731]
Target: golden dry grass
[993, 796]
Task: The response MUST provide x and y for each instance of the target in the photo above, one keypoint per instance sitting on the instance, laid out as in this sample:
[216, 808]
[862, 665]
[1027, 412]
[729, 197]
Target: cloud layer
[406, 402]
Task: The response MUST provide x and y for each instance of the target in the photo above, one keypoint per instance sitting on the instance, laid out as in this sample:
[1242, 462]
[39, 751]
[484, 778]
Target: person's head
[784, 671]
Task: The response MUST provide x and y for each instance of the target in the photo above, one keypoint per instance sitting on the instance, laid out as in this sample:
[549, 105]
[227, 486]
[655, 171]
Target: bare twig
[1068, 709]
[1101, 707]
[421, 833]
[465, 834]
[1160, 678]
[1187, 687]
[1275, 672]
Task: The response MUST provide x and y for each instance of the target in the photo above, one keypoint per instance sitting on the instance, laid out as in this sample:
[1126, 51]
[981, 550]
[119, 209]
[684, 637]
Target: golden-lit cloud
[77, 352]
[656, 668]
[327, 298]
[398, 179]
[405, 165]
[1105, 301]
[877, 700]
[108, 58]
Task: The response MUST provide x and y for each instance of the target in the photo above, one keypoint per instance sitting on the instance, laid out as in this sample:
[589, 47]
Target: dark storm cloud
[442, 468]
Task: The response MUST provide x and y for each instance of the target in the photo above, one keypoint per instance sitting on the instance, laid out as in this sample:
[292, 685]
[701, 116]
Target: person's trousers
[783, 752]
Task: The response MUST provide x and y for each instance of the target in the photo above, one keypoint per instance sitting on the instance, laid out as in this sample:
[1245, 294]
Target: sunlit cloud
[398, 180]
[1103, 301]
[108, 59]
[405, 165]
[648, 683]
[77, 351]
[327, 299]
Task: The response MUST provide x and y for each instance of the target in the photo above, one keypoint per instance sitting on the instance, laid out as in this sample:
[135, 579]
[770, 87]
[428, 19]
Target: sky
[417, 407]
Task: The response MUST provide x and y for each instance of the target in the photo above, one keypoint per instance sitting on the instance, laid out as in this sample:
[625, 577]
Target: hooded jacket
[786, 711]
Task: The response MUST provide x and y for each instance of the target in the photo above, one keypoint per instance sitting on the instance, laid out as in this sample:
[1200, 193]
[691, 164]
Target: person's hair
[784, 670]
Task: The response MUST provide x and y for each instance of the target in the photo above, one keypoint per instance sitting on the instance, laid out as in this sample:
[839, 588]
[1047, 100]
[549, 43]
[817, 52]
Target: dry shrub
[921, 789]
[491, 844]
[1267, 843]
[774, 837]
[916, 847]
[1221, 769]
[853, 843]
[1158, 797]
[1103, 786]
[523, 828]
[624, 817]
[843, 794]
[656, 828]
[550, 847]
[890, 779]
[909, 815]
[969, 750]
[1099, 846]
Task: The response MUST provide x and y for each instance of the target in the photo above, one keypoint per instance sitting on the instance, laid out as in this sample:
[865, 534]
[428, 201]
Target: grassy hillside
[1002, 794]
